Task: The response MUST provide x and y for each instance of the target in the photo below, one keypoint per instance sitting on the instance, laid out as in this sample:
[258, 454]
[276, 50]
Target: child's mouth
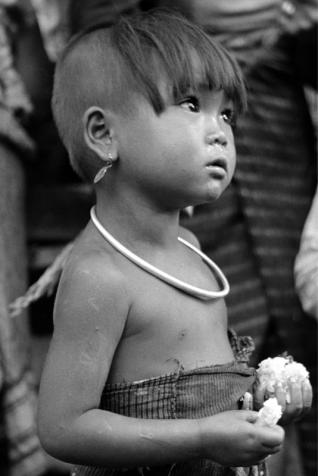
[217, 168]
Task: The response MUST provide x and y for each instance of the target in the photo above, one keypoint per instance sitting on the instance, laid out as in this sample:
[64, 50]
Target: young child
[141, 375]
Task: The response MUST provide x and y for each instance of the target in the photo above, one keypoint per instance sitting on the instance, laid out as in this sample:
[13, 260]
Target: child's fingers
[248, 415]
[247, 403]
[272, 437]
[276, 449]
[307, 395]
[259, 396]
[295, 407]
[273, 449]
[280, 394]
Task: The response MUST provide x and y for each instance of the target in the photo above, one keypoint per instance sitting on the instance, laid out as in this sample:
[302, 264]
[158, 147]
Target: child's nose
[217, 137]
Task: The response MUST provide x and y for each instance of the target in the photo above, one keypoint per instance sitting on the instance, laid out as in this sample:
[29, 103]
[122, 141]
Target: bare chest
[167, 328]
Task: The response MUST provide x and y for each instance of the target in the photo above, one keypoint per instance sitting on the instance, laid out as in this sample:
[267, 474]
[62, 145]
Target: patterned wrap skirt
[184, 394]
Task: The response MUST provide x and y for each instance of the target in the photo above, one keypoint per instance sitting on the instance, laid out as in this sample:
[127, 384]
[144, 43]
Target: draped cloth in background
[20, 451]
[21, 454]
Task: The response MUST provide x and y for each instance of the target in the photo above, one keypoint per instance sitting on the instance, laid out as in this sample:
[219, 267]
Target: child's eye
[228, 116]
[190, 103]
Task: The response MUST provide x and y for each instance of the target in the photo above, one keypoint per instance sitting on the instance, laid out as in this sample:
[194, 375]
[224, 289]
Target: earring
[100, 174]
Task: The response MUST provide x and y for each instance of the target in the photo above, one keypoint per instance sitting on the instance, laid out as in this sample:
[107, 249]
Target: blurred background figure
[306, 265]
[25, 78]
[254, 231]
[20, 451]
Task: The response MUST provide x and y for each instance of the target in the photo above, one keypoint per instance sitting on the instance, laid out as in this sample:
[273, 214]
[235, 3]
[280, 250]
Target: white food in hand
[282, 371]
[270, 413]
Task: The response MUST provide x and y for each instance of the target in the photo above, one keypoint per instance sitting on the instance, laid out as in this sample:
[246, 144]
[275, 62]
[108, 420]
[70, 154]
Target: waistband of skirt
[180, 374]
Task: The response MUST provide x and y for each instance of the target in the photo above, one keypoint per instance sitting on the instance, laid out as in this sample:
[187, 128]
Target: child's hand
[233, 439]
[295, 399]
[288, 381]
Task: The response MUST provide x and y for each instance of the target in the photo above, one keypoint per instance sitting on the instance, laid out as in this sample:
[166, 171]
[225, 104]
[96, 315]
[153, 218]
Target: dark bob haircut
[105, 65]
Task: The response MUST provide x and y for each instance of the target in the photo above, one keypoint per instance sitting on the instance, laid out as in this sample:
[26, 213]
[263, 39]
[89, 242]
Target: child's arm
[91, 314]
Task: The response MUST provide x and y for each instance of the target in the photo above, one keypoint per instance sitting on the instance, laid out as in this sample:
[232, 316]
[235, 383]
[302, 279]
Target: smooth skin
[115, 322]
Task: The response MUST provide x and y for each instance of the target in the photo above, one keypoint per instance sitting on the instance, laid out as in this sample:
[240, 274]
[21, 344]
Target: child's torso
[166, 327]
[195, 393]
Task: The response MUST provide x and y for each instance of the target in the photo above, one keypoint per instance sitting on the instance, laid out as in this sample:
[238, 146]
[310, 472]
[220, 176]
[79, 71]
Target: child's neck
[137, 223]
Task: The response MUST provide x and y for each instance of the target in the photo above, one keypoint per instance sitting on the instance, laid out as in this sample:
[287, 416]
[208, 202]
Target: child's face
[183, 156]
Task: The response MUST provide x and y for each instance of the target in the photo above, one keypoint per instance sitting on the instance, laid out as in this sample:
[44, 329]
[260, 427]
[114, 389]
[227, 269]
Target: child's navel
[182, 334]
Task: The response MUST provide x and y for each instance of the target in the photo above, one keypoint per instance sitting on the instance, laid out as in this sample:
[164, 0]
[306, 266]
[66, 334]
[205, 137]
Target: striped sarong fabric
[184, 394]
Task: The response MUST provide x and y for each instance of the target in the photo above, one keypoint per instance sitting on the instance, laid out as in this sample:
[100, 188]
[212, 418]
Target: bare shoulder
[92, 288]
[189, 236]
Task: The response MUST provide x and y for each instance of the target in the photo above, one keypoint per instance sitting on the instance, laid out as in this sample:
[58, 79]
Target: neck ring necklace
[167, 278]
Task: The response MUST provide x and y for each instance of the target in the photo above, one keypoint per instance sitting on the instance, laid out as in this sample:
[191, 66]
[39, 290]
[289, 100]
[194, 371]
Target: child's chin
[214, 193]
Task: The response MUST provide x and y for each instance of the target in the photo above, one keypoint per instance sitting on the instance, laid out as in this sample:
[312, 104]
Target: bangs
[167, 48]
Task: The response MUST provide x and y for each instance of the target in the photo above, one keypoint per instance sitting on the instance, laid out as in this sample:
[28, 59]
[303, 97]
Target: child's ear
[99, 132]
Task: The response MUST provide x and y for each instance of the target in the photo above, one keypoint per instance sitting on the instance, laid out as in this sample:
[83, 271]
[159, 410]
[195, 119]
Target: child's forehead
[192, 73]
[197, 83]
[191, 66]
[196, 64]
